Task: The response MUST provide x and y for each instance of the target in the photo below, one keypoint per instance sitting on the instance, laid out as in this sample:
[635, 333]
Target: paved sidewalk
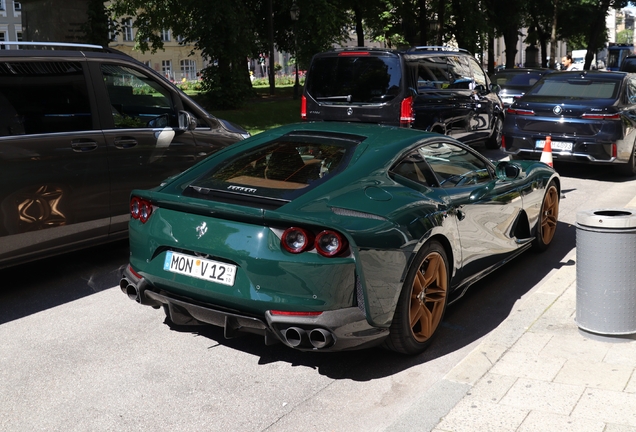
[538, 372]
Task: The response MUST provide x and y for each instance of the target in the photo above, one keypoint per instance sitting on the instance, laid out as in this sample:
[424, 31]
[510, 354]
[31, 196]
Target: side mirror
[508, 170]
[187, 122]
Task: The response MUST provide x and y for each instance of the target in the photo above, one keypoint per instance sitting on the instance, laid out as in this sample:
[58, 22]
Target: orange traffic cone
[546, 155]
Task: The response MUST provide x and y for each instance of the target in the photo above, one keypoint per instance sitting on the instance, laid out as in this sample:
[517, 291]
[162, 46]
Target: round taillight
[330, 243]
[135, 207]
[296, 240]
[140, 209]
[145, 211]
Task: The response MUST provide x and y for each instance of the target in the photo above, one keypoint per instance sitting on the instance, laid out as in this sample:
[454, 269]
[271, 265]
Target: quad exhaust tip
[318, 338]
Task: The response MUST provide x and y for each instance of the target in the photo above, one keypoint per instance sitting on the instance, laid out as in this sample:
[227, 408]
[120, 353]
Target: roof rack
[52, 44]
[437, 48]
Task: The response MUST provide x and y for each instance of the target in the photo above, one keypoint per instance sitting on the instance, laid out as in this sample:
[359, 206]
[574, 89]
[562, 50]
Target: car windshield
[354, 78]
[281, 169]
[516, 79]
[571, 86]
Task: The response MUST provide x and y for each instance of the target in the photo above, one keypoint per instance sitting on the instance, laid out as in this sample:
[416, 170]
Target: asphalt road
[76, 354]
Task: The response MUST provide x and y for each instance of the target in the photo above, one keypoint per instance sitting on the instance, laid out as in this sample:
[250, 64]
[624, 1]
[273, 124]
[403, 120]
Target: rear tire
[494, 142]
[422, 302]
[548, 218]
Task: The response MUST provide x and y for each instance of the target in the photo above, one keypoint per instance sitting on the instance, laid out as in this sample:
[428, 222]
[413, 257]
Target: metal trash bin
[606, 271]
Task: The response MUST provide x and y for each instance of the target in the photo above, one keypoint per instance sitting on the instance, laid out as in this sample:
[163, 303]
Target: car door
[54, 185]
[465, 121]
[142, 133]
[485, 207]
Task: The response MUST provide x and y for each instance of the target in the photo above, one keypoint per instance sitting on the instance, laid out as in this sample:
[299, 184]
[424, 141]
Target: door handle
[83, 145]
[125, 142]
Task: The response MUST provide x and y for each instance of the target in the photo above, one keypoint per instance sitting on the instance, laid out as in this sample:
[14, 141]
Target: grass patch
[265, 111]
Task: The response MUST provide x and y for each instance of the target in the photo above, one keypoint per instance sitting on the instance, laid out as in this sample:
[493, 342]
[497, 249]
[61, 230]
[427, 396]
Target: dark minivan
[437, 89]
[80, 127]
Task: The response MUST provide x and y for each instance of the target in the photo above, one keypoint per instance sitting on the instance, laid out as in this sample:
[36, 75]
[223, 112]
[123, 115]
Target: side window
[631, 90]
[432, 73]
[478, 74]
[415, 168]
[459, 73]
[455, 166]
[43, 97]
[137, 101]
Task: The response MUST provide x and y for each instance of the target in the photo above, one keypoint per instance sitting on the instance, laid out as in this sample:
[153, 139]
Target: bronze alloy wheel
[422, 302]
[548, 218]
[428, 297]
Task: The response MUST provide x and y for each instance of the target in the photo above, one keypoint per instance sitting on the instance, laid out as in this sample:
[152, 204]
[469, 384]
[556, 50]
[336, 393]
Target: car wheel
[628, 169]
[494, 142]
[422, 301]
[547, 223]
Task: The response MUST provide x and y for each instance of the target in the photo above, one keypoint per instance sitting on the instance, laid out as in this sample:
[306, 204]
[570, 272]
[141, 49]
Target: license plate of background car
[200, 268]
[556, 145]
[507, 100]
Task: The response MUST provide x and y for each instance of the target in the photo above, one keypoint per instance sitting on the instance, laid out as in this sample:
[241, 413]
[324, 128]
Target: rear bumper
[583, 151]
[337, 330]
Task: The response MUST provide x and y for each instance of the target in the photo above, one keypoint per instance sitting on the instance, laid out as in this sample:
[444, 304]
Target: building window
[166, 69]
[17, 6]
[2, 5]
[3, 38]
[189, 69]
[127, 30]
[180, 39]
[165, 35]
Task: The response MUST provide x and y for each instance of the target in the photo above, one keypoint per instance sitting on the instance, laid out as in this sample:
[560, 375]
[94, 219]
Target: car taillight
[296, 240]
[353, 53]
[140, 209]
[303, 108]
[406, 111]
[601, 116]
[330, 243]
[519, 111]
[327, 243]
[290, 313]
[614, 151]
[503, 142]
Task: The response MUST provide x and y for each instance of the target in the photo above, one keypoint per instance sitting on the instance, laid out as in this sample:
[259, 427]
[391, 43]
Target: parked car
[437, 89]
[333, 236]
[513, 83]
[616, 54]
[590, 116]
[629, 64]
[80, 127]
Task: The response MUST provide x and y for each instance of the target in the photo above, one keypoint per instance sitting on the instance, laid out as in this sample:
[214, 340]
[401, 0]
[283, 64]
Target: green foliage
[625, 36]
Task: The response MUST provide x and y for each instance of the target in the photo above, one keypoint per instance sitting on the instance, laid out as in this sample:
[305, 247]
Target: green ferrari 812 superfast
[334, 236]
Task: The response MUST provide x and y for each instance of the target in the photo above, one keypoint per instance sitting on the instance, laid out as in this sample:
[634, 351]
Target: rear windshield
[580, 88]
[354, 79]
[511, 79]
[282, 169]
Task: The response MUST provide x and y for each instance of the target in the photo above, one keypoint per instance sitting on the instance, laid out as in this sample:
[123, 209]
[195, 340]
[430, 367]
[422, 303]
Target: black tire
[422, 302]
[494, 142]
[548, 218]
[628, 169]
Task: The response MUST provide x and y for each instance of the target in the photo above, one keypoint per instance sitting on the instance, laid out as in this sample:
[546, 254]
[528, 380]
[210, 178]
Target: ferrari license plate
[200, 268]
[556, 145]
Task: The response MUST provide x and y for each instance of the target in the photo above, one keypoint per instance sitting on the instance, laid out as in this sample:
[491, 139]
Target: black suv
[438, 89]
[80, 127]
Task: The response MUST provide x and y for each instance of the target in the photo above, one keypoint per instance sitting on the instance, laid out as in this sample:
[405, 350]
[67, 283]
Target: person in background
[567, 63]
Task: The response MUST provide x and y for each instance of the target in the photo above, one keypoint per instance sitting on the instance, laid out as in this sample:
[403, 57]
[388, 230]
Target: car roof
[417, 50]
[35, 50]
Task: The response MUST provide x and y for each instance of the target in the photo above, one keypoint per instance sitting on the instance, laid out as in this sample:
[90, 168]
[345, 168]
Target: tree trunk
[595, 39]
[359, 28]
[553, 39]
[511, 37]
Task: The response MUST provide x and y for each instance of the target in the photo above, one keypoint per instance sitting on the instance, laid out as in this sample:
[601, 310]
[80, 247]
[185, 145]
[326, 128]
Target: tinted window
[354, 78]
[478, 73]
[512, 79]
[43, 97]
[282, 169]
[137, 101]
[459, 73]
[581, 88]
[454, 165]
[629, 64]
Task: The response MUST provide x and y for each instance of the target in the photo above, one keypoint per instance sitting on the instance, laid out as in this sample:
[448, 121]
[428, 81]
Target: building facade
[10, 21]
